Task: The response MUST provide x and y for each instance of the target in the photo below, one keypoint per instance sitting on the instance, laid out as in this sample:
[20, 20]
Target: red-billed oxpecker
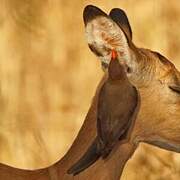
[117, 104]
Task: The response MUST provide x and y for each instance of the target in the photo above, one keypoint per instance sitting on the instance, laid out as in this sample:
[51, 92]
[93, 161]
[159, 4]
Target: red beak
[113, 55]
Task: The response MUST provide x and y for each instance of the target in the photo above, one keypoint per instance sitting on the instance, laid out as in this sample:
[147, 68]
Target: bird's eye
[175, 89]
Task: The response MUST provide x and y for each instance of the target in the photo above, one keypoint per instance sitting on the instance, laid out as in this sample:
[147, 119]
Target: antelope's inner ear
[104, 35]
[120, 17]
[91, 12]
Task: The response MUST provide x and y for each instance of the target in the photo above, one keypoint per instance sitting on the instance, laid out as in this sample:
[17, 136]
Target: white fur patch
[104, 34]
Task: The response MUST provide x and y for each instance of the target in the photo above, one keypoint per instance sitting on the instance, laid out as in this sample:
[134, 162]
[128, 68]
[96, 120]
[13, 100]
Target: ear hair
[103, 34]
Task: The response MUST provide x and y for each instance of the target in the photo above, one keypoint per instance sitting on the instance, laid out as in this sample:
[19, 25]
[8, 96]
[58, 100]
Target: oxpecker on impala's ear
[104, 34]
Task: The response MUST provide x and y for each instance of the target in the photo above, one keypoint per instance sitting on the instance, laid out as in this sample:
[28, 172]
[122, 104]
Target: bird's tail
[91, 155]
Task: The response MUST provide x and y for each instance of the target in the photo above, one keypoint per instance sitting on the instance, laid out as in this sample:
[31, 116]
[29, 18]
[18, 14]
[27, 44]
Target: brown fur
[157, 123]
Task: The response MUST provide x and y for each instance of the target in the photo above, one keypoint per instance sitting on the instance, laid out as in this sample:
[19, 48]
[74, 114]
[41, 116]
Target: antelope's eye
[175, 89]
[94, 50]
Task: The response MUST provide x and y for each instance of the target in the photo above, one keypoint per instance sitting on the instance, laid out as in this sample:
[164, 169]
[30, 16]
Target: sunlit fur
[48, 81]
[152, 74]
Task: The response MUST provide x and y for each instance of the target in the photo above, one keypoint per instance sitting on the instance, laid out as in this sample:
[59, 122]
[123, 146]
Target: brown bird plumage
[117, 103]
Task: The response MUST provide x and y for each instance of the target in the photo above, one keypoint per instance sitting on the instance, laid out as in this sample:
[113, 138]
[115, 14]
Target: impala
[158, 120]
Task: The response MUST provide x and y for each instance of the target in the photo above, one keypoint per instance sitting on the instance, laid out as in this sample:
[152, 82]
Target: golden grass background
[48, 77]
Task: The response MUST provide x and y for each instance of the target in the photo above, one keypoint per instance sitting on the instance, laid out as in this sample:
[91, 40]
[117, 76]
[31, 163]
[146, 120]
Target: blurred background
[48, 77]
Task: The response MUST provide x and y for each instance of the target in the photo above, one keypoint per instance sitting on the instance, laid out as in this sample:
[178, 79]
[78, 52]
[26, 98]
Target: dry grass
[48, 77]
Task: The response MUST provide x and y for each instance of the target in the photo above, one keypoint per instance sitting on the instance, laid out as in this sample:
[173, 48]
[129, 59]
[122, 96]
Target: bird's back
[117, 102]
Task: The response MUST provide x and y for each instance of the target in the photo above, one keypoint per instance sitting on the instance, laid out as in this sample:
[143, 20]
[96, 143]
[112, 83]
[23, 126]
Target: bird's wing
[115, 116]
[123, 119]
[103, 116]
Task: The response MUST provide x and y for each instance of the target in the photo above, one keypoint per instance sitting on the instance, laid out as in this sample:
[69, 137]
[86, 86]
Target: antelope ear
[91, 12]
[175, 88]
[120, 17]
[104, 34]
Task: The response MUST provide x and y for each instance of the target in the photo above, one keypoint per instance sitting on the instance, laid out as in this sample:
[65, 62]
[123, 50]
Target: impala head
[156, 78]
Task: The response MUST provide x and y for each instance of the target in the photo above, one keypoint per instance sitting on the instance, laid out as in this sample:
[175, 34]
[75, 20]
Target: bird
[117, 104]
